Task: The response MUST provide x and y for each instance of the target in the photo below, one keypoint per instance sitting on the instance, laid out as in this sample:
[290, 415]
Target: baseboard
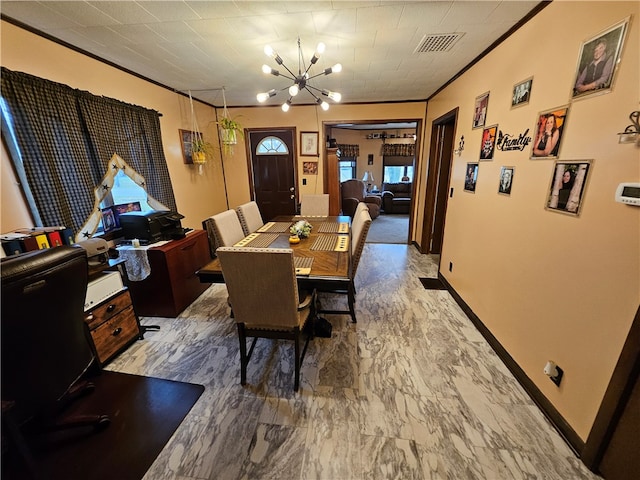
[558, 422]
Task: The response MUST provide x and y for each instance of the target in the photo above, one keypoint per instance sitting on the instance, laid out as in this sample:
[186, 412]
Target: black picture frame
[471, 177]
[568, 182]
[506, 180]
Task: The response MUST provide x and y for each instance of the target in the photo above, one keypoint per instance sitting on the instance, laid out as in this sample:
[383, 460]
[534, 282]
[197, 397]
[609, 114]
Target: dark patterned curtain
[347, 150]
[65, 139]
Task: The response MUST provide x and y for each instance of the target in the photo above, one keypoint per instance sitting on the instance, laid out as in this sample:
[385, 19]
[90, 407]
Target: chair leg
[243, 354]
[296, 360]
[351, 295]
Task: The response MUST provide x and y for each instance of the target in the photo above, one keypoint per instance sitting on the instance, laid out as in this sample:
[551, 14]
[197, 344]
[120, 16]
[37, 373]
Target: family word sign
[507, 142]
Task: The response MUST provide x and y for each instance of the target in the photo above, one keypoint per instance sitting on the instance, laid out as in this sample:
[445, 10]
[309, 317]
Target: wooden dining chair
[359, 230]
[314, 205]
[250, 217]
[267, 304]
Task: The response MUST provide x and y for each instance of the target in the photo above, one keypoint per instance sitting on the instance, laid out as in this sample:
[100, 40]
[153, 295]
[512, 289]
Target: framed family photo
[506, 180]
[471, 177]
[488, 146]
[480, 110]
[309, 144]
[568, 183]
[548, 132]
[598, 61]
[521, 93]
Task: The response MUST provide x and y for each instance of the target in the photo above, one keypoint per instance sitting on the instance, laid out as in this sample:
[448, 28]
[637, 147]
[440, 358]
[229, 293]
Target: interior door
[273, 172]
[440, 159]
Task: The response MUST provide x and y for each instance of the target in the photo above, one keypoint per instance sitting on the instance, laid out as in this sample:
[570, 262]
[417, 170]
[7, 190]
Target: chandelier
[301, 81]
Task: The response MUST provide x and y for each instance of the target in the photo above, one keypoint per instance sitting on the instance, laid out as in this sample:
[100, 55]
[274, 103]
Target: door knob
[292, 197]
[292, 189]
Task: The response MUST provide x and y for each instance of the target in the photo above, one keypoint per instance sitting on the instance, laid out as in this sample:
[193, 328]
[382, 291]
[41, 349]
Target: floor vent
[441, 42]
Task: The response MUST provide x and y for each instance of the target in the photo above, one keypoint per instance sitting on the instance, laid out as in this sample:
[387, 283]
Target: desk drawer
[108, 310]
[115, 334]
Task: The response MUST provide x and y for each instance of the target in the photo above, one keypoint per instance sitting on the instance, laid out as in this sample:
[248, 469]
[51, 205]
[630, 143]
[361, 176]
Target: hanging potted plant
[228, 128]
[199, 150]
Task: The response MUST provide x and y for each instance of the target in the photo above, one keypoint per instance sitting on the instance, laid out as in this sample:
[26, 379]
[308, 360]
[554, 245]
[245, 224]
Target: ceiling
[203, 46]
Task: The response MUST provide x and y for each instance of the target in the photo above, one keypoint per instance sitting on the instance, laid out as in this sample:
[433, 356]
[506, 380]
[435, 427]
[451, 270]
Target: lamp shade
[368, 177]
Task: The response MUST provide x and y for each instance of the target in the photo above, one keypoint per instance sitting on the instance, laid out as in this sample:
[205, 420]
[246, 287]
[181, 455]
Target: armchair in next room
[353, 192]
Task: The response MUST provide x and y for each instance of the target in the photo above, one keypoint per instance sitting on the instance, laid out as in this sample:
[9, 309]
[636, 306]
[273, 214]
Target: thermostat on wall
[628, 193]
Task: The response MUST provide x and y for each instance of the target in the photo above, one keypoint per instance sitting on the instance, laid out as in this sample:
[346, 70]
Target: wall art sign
[599, 60]
[509, 143]
[568, 182]
[549, 129]
[488, 145]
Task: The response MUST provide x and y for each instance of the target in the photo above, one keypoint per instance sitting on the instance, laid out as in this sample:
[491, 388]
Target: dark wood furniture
[173, 284]
[330, 269]
[113, 325]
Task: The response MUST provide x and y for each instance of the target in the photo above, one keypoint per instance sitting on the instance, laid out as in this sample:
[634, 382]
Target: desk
[172, 284]
[330, 270]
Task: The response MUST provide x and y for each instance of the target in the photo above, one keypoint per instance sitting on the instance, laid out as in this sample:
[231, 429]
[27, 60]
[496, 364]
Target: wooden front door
[273, 172]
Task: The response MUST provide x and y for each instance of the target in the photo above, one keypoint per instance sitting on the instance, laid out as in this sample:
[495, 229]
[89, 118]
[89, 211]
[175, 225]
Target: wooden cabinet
[173, 284]
[332, 181]
[113, 326]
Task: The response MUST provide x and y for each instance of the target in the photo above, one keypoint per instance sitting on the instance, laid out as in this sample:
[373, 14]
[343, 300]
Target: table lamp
[368, 179]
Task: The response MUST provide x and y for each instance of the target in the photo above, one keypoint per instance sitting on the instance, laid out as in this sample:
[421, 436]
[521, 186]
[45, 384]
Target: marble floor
[412, 391]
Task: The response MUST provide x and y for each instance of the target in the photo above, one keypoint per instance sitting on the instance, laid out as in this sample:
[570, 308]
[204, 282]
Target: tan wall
[307, 119]
[550, 286]
[197, 196]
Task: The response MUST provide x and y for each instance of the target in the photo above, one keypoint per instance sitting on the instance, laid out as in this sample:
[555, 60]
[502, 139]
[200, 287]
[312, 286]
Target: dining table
[322, 260]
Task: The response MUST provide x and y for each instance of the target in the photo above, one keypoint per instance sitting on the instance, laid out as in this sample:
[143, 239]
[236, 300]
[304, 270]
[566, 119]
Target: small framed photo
[488, 146]
[568, 182]
[186, 137]
[548, 132]
[480, 110]
[309, 144]
[471, 177]
[108, 219]
[598, 61]
[506, 180]
[310, 168]
[521, 93]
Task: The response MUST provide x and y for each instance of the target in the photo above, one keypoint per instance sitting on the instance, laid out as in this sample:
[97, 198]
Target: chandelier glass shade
[301, 80]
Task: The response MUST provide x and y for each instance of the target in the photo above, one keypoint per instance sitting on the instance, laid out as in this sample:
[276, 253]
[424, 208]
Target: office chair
[45, 347]
[267, 304]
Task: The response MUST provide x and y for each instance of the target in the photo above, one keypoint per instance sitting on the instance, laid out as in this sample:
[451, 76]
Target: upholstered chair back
[227, 228]
[315, 205]
[250, 217]
[262, 286]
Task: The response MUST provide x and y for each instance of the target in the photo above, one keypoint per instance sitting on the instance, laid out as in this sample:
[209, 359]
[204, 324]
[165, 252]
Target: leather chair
[267, 304]
[45, 347]
[250, 217]
[353, 192]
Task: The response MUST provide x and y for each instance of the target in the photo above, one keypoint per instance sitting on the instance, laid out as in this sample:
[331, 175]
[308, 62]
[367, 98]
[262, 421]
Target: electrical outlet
[451, 266]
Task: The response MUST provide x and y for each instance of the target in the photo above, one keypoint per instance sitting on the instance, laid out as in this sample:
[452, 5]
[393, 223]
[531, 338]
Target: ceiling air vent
[441, 42]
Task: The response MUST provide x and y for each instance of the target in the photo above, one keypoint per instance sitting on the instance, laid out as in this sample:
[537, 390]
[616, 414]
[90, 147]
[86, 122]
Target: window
[347, 168]
[272, 146]
[396, 173]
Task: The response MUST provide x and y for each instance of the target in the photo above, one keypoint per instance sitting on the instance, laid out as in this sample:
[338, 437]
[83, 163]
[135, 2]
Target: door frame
[326, 133]
[436, 175]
